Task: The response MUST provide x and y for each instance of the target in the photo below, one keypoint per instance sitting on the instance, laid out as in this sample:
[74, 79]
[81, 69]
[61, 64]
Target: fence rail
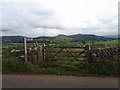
[54, 51]
[64, 47]
[67, 50]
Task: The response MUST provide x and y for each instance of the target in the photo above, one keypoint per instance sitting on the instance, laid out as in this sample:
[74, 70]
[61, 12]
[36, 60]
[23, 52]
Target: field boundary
[86, 49]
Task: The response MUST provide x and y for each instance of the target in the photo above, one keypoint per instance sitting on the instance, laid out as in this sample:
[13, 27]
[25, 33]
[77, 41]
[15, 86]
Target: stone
[94, 55]
[98, 51]
[115, 57]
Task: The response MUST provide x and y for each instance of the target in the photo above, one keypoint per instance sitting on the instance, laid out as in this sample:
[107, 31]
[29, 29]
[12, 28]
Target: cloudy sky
[52, 17]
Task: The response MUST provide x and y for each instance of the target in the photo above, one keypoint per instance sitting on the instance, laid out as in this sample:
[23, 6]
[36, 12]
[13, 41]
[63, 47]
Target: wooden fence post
[43, 51]
[36, 43]
[40, 54]
[35, 58]
[93, 38]
[88, 52]
[25, 48]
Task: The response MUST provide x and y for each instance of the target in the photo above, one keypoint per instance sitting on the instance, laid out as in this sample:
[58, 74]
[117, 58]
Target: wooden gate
[65, 52]
[71, 52]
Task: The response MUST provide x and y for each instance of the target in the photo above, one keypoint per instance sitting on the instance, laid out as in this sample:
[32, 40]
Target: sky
[53, 17]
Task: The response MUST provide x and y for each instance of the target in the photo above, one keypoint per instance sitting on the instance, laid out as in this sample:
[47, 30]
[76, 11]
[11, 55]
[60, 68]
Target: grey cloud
[5, 30]
[26, 19]
[49, 27]
[42, 13]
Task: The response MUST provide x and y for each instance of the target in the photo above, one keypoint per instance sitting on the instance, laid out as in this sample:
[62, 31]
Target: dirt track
[57, 81]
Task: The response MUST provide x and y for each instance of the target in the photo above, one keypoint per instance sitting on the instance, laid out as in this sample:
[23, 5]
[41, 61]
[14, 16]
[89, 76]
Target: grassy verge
[10, 63]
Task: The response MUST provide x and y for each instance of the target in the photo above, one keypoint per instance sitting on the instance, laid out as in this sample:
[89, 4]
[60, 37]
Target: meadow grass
[11, 63]
[64, 43]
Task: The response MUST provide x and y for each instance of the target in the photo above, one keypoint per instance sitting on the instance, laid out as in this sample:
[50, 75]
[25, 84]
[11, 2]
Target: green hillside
[57, 39]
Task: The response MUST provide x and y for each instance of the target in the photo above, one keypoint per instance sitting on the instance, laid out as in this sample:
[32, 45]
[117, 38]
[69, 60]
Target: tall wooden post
[35, 58]
[40, 54]
[36, 43]
[93, 38]
[25, 48]
[88, 52]
[43, 47]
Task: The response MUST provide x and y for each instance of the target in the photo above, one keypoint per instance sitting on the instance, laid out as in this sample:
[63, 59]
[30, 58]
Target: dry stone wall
[107, 54]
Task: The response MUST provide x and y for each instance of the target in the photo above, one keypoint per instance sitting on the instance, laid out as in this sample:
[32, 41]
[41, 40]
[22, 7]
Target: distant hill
[12, 38]
[112, 36]
[76, 38]
[61, 36]
[48, 37]
[44, 37]
[88, 37]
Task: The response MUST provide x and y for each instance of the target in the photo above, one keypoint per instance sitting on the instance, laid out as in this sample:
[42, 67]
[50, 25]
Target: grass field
[12, 63]
[69, 43]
